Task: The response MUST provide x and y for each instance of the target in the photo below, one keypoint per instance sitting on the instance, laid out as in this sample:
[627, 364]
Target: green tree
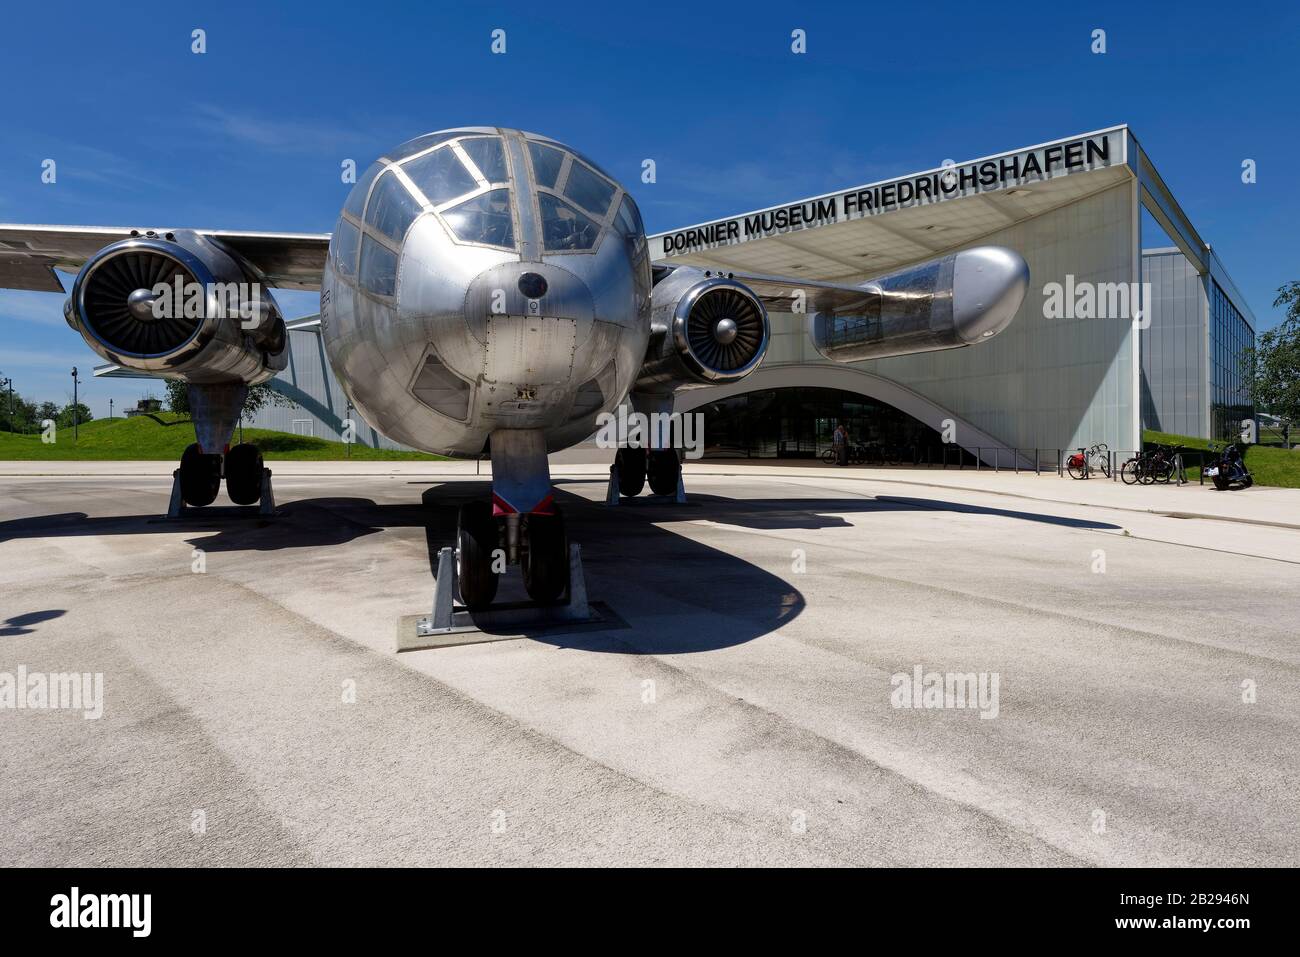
[259, 396]
[1275, 360]
[15, 411]
[178, 396]
[65, 416]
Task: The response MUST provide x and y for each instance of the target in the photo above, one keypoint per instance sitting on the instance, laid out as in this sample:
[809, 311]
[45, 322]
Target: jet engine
[178, 305]
[706, 329]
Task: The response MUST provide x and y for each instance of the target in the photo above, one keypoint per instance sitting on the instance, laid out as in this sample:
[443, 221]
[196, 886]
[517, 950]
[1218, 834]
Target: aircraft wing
[780, 292]
[30, 254]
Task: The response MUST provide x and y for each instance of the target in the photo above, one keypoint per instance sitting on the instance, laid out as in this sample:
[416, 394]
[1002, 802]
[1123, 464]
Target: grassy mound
[1269, 466]
[164, 436]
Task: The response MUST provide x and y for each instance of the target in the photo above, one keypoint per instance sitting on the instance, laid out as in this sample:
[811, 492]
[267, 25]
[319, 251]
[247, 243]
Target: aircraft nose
[988, 285]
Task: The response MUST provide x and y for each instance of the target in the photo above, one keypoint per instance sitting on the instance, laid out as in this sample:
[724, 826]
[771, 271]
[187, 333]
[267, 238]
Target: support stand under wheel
[449, 616]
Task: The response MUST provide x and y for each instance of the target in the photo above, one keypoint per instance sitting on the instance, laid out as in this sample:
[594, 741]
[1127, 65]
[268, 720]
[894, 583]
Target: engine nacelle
[958, 300]
[706, 329]
[178, 305]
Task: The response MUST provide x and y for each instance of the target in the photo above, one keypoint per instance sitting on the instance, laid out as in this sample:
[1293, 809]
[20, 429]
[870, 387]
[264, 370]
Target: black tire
[663, 470]
[476, 540]
[244, 474]
[1105, 465]
[1130, 472]
[1248, 482]
[829, 456]
[1221, 483]
[200, 476]
[546, 559]
[1077, 471]
[631, 471]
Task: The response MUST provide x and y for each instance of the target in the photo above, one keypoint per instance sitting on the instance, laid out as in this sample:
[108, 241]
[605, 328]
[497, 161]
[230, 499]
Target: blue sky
[251, 134]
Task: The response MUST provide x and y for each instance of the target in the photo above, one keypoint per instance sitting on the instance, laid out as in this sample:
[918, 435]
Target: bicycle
[854, 455]
[1158, 464]
[1133, 471]
[1161, 466]
[1084, 462]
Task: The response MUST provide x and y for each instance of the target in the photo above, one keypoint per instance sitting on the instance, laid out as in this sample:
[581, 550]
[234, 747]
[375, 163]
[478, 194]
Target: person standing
[841, 442]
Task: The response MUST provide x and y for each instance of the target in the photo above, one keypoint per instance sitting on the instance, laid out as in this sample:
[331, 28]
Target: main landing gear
[633, 467]
[487, 543]
[198, 480]
[215, 408]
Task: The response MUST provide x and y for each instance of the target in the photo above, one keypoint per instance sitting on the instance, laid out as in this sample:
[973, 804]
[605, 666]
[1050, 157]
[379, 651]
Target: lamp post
[76, 412]
[110, 410]
[347, 429]
[9, 384]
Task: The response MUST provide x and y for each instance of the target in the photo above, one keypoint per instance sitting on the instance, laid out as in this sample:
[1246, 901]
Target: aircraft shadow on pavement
[306, 523]
[815, 513]
[682, 596]
[21, 624]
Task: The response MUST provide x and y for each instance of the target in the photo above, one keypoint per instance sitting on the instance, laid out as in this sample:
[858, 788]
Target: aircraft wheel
[546, 560]
[476, 540]
[631, 471]
[244, 474]
[664, 469]
[200, 476]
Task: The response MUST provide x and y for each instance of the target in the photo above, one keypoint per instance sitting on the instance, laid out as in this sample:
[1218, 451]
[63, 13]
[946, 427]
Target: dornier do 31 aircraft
[484, 289]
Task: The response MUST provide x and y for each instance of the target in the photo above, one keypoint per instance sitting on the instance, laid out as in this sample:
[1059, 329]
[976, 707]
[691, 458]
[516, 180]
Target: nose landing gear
[545, 560]
[477, 549]
[487, 544]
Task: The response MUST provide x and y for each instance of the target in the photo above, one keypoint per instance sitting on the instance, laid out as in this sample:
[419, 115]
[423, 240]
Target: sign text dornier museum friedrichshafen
[946, 182]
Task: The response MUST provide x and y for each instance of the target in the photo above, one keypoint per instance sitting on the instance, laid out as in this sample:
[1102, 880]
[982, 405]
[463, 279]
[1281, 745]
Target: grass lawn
[1268, 466]
[164, 436]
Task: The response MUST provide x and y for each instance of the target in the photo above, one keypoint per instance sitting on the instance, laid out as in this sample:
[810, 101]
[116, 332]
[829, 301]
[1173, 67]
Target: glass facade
[799, 422]
[1230, 336]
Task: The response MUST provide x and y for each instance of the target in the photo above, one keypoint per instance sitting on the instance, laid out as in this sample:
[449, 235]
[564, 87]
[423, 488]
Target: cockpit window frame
[526, 224]
[483, 185]
[510, 204]
[604, 223]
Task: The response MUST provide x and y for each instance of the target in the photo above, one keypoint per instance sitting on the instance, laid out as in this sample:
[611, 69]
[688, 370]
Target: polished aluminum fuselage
[458, 351]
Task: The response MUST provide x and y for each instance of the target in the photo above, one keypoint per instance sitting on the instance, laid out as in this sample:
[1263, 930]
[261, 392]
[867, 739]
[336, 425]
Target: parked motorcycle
[1229, 468]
